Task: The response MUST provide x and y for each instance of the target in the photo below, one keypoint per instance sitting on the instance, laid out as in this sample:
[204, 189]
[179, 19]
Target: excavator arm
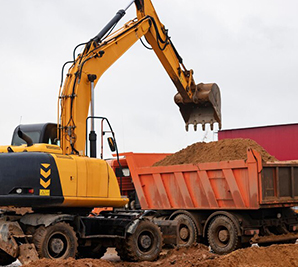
[198, 103]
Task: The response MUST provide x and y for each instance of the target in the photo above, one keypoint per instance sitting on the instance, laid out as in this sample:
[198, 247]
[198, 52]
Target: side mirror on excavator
[112, 144]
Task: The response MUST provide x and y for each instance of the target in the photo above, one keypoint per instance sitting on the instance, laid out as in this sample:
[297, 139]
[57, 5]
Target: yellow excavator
[47, 168]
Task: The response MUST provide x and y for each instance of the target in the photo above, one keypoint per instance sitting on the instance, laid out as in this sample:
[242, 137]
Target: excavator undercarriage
[60, 236]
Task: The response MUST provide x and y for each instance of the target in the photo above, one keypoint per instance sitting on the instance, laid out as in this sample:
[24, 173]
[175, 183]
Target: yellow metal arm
[76, 94]
[198, 103]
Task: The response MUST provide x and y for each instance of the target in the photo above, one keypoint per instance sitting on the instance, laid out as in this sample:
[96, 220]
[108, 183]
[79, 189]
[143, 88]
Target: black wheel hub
[145, 241]
[56, 245]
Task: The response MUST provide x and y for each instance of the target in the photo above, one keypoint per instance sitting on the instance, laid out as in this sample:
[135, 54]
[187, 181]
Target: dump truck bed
[226, 185]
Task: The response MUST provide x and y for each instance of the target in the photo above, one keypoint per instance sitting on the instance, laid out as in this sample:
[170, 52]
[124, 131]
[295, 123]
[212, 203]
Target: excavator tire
[94, 251]
[56, 241]
[121, 250]
[187, 231]
[5, 259]
[143, 245]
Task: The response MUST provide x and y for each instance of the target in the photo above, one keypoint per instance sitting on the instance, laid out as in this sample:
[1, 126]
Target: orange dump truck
[226, 204]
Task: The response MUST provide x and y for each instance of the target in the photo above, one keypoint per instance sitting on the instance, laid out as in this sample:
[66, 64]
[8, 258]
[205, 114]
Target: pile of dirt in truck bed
[198, 255]
[226, 149]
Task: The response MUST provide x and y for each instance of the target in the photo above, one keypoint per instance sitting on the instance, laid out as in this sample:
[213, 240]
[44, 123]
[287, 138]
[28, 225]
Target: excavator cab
[42, 133]
[205, 106]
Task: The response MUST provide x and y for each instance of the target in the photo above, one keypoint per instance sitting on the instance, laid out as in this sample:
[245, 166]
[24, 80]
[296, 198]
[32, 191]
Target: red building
[280, 141]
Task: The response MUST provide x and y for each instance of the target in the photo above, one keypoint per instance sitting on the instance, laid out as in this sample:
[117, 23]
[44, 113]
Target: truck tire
[57, 241]
[222, 235]
[5, 258]
[94, 251]
[187, 231]
[143, 245]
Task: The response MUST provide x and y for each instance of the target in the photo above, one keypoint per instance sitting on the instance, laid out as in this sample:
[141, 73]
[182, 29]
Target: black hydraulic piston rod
[92, 134]
[112, 23]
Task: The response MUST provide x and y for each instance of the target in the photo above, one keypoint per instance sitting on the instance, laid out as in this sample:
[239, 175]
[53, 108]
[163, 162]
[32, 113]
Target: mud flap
[14, 242]
[169, 231]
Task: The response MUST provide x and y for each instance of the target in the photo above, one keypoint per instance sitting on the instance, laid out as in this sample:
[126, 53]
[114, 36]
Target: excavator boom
[198, 103]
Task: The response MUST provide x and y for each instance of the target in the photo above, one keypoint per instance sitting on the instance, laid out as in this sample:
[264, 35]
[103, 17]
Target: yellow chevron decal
[45, 184]
[45, 165]
[45, 174]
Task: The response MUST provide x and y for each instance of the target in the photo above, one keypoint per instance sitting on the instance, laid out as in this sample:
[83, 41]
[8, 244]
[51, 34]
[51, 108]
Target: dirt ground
[198, 255]
[226, 149]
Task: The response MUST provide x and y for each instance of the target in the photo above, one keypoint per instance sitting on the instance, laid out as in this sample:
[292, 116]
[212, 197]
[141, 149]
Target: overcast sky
[249, 48]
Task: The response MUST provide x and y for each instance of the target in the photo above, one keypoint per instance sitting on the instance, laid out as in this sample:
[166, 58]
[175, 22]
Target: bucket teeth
[203, 126]
[195, 126]
[204, 108]
[186, 127]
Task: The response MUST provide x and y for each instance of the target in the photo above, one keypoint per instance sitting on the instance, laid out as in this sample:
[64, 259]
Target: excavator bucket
[205, 106]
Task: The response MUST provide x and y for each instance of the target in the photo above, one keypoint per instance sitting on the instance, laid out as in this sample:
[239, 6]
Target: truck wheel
[222, 235]
[95, 251]
[5, 258]
[57, 241]
[143, 245]
[187, 231]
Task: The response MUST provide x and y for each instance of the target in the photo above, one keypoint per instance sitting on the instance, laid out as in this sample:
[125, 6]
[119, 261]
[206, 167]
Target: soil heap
[70, 262]
[197, 255]
[223, 150]
[20, 211]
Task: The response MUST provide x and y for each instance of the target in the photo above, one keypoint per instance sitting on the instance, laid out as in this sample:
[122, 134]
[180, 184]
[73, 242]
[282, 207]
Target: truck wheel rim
[222, 236]
[184, 233]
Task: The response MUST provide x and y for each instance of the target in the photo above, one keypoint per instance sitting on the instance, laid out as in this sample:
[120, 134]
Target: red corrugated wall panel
[280, 141]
